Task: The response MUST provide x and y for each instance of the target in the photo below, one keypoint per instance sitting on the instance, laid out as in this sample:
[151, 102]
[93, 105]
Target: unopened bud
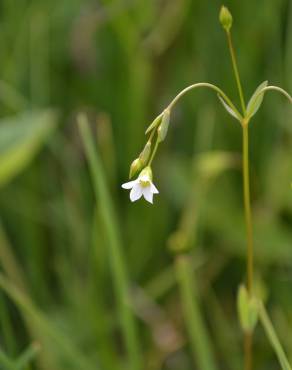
[163, 128]
[147, 172]
[247, 310]
[145, 154]
[135, 167]
[225, 18]
[154, 124]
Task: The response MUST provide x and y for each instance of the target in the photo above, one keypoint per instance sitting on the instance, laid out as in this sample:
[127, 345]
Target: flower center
[144, 183]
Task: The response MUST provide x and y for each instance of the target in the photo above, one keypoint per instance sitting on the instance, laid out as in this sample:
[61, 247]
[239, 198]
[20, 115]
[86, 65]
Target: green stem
[200, 342]
[248, 339]
[236, 73]
[210, 86]
[247, 206]
[276, 88]
[154, 151]
[121, 284]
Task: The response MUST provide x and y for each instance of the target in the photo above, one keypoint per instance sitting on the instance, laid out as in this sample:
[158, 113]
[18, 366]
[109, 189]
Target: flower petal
[147, 194]
[136, 192]
[154, 189]
[129, 185]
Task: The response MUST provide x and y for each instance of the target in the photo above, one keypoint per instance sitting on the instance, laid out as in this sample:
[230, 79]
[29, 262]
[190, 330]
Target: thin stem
[248, 339]
[236, 73]
[248, 220]
[200, 342]
[276, 88]
[210, 86]
[154, 151]
[119, 273]
[247, 207]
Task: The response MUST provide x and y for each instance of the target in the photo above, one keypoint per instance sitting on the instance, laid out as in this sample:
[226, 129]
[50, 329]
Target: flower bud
[154, 124]
[163, 128]
[225, 18]
[145, 154]
[147, 172]
[135, 167]
[247, 310]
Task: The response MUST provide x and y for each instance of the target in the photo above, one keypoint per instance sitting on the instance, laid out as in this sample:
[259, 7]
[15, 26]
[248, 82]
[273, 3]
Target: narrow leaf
[228, 108]
[21, 136]
[256, 100]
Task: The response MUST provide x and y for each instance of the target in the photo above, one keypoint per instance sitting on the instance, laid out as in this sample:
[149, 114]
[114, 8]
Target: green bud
[147, 171]
[225, 18]
[145, 154]
[247, 309]
[163, 128]
[154, 124]
[135, 167]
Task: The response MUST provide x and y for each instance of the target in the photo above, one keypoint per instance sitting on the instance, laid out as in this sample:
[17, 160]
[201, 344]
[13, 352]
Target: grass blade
[45, 328]
[272, 336]
[121, 284]
[200, 342]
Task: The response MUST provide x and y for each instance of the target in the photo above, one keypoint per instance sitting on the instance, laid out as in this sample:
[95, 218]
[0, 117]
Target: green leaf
[21, 137]
[256, 100]
[228, 108]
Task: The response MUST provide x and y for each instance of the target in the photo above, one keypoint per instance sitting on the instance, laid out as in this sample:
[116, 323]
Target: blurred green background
[121, 62]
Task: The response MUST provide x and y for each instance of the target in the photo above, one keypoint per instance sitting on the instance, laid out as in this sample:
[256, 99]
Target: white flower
[143, 185]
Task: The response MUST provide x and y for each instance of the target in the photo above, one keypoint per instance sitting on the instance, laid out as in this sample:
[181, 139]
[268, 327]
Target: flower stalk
[248, 335]
[236, 72]
[247, 205]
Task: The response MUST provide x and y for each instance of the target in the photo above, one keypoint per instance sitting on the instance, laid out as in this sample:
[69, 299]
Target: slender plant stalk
[153, 152]
[236, 72]
[200, 342]
[247, 206]
[121, 284]
[203, 84]
[248, 337]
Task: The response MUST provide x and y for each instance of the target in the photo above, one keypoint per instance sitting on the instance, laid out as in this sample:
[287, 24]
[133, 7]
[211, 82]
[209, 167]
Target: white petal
[147, 194]
[136, 192]
[154, 189]
[129, 185]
